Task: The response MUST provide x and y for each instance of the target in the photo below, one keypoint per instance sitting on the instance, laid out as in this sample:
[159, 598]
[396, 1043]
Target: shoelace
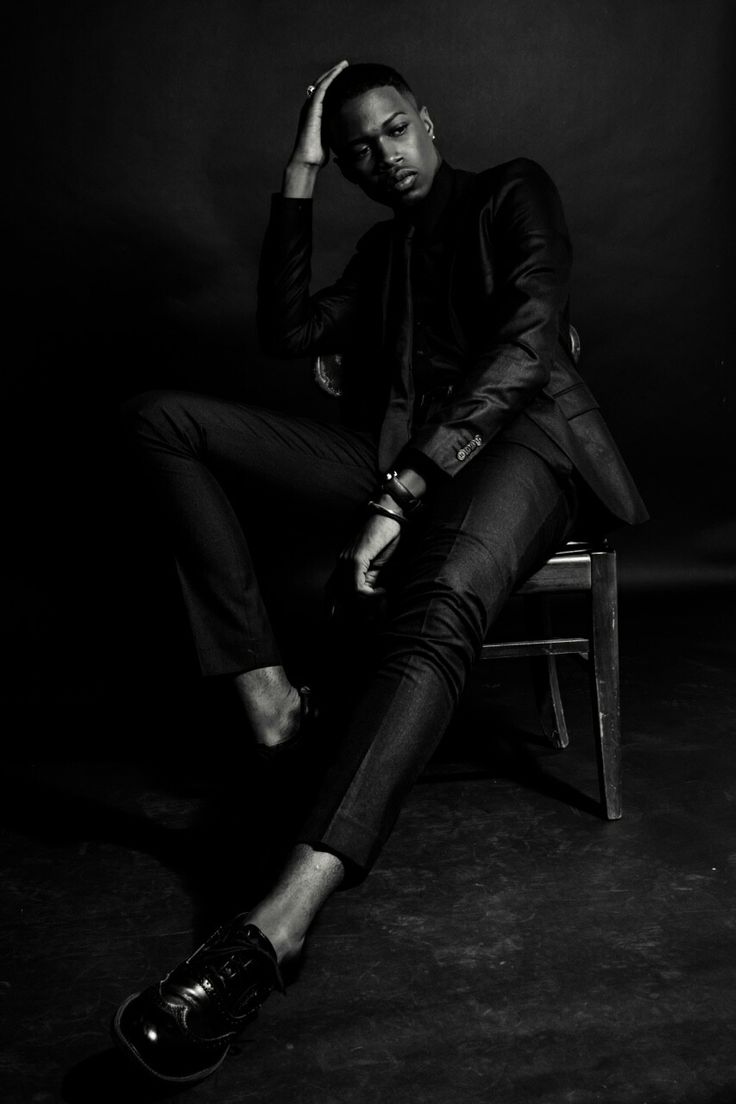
[216, 967]
[222, 964]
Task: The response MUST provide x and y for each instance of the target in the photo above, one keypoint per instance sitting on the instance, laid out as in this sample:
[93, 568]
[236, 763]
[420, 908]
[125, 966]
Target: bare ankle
[286, 943]
[286, 914]
[283, 724]
[271, 704]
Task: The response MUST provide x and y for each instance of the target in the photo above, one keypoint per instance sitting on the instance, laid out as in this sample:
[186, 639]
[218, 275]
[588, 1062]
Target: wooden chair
[577, 568]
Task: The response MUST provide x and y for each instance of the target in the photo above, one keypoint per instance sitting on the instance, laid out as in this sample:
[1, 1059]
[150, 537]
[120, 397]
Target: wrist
[299, 180]
[389, 510]
[386, 502]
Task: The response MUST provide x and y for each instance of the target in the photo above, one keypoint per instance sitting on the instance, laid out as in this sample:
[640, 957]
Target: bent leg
[191, 447]
[483, 533]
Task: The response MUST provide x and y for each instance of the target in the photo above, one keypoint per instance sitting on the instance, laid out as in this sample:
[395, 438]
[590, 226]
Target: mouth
[400, 181]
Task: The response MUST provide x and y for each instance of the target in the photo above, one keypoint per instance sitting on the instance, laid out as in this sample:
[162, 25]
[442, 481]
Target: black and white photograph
[370, 552]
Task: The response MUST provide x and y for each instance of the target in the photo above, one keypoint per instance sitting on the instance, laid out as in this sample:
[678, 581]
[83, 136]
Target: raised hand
[309, 153]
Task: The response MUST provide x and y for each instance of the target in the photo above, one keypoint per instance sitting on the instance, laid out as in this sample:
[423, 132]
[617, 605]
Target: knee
[442, 620]
[148, 408]
[455, 612]
[459, 588]
[155, 415]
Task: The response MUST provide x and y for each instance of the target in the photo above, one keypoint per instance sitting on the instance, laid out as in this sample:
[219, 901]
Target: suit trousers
[476, 537]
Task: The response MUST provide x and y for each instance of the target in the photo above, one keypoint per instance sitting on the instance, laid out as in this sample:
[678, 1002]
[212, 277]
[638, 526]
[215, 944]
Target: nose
[388, 151]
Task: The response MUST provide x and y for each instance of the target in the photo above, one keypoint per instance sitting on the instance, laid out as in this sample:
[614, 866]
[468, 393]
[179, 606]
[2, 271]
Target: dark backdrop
[144, 140]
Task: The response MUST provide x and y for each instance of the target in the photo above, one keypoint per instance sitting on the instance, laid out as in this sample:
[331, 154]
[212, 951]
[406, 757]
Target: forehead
[368, 112]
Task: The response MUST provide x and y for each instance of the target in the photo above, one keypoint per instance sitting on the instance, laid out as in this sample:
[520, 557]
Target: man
[468, 447]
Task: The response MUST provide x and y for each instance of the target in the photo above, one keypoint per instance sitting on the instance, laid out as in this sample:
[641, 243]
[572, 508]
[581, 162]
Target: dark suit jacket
[507, 296]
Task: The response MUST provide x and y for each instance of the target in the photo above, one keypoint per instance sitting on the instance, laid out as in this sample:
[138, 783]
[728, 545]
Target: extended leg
[482, 535]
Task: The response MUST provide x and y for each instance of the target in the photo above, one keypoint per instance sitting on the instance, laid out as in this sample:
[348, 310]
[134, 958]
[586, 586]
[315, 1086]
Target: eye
[398, 129]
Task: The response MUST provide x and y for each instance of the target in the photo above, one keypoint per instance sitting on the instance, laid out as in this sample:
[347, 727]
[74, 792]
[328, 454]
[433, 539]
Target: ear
[428, 124]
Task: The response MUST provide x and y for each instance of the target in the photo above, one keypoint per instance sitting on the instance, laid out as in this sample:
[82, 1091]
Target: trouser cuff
[356, 844]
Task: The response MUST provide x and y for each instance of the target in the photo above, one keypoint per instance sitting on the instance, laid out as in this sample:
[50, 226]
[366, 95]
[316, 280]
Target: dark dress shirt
[434, 347]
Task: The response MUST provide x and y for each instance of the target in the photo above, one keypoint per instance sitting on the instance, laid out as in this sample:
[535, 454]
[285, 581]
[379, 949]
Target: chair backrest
[328, 374]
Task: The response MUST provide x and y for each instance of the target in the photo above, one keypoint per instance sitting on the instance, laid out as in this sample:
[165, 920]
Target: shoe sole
[131, 1053]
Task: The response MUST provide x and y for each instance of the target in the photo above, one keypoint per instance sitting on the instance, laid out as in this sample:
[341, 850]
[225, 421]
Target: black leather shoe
[181, 1029]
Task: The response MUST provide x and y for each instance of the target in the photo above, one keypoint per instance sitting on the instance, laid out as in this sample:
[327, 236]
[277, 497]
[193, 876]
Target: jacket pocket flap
[575, 400]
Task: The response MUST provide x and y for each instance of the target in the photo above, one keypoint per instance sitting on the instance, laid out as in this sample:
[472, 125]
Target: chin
[413, 197]
[402, 201]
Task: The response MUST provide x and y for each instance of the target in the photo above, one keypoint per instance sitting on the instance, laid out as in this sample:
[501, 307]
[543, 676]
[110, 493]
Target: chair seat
[568, 570]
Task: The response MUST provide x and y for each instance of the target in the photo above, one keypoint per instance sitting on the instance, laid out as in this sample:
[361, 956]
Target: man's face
[384, 145]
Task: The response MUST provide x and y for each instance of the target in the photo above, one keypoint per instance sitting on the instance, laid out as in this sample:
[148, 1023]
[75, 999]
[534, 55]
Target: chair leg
[604, 672]
[544, 675]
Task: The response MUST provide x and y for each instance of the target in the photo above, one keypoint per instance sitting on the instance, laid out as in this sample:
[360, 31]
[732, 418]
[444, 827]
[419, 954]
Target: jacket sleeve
[291, 322]
[527, 257]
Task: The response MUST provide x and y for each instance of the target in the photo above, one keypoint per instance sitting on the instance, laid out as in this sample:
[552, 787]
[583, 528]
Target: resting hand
[374, 546]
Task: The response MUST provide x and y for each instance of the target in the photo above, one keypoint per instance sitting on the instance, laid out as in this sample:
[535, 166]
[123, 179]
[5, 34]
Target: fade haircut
[354, 81]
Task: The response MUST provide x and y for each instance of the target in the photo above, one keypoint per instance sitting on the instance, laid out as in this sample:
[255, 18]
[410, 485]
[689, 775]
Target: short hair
[354, 81]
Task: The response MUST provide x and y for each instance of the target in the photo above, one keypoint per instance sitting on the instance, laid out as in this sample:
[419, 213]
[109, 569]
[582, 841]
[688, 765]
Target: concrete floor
[510, 946]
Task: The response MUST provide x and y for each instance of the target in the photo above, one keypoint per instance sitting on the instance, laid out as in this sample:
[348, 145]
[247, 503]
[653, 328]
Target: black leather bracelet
[400, 493]
[377, 508]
